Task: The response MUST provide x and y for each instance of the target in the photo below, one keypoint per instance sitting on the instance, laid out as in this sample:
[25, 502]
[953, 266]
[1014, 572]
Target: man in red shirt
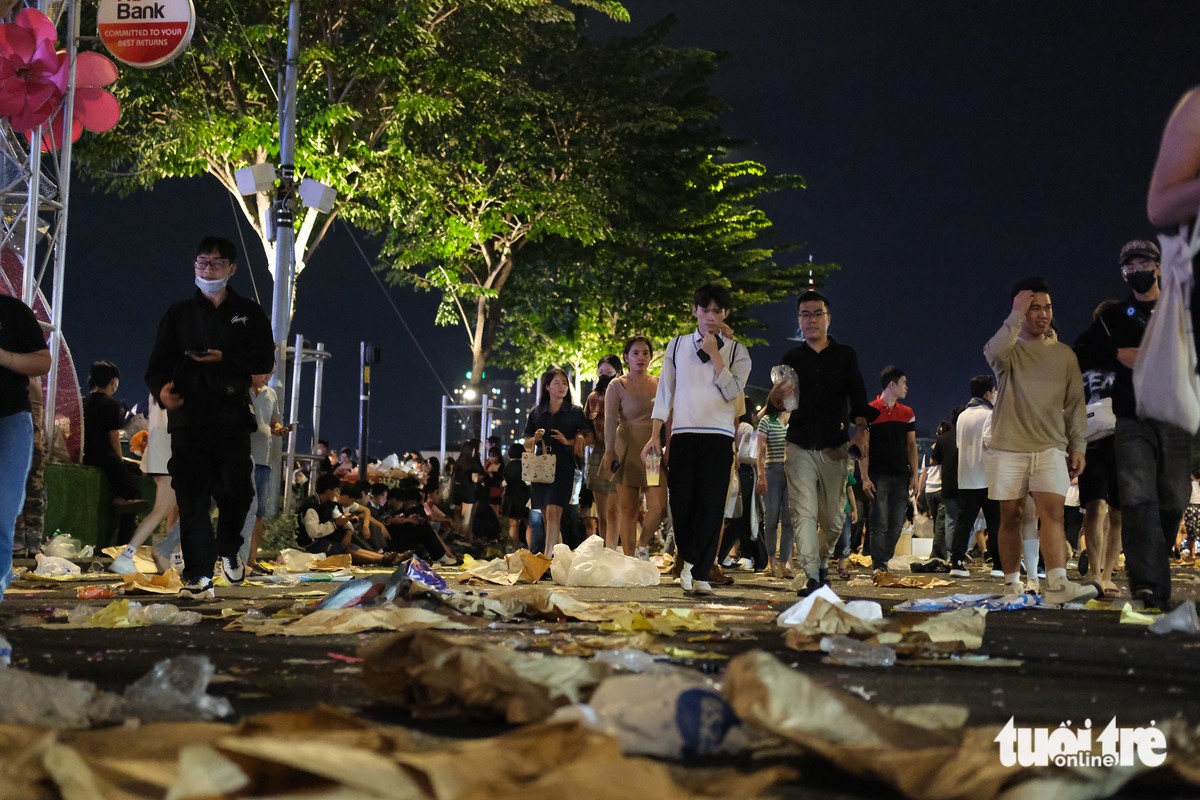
[890, 467]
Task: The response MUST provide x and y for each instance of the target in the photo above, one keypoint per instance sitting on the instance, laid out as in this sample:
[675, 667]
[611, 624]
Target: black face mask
[1141, 282]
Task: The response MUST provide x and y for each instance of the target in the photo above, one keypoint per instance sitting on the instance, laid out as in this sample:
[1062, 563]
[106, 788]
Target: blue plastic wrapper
[992, 602]
[422, 573]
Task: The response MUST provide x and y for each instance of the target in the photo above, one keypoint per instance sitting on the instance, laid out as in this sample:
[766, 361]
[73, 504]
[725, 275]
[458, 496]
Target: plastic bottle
[5, 652]
[853, 653]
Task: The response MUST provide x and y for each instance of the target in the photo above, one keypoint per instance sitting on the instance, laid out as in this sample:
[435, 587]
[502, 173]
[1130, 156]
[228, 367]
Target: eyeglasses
[806, 315]
[203, 264]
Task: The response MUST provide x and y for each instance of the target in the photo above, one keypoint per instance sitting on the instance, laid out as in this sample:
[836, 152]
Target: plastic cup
[653, 469]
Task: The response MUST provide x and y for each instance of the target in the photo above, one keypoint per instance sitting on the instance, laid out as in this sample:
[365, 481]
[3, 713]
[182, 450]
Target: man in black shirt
[23, 355]
[1151, 458]
[103, 419]
[830, 396]
[207, 348]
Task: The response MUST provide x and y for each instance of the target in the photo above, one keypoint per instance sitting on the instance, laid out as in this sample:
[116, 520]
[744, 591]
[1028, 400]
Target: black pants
[737, 529]
[122, 483]
[416, 536]
[210, 464]
[970, 503]
[697, 484]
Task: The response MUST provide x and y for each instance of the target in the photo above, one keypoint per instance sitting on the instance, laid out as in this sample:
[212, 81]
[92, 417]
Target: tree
[371, 71]
[587, 201]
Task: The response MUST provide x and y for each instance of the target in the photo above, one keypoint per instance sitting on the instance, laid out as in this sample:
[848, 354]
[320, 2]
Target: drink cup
[653, 469]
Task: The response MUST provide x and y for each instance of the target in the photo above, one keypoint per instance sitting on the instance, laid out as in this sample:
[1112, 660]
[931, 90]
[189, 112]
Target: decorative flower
[34, 76]
[33, 72]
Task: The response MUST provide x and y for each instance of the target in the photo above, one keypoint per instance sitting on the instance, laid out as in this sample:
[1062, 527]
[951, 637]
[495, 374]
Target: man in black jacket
[207, 348]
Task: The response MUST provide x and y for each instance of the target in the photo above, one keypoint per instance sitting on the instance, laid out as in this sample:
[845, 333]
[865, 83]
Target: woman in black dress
[559, 426]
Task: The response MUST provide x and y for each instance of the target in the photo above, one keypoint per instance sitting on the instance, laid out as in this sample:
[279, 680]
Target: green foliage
[279, 533]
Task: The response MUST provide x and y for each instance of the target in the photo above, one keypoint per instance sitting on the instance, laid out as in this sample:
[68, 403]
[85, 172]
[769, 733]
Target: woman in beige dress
[627, 407]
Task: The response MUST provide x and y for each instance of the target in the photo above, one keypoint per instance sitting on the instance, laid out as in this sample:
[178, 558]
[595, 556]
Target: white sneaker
[685, 577]
[1071, 592]
[701, 588]
[447, 561]
[233, 569]
[997, 573]
[746, 564]
[199, 589]
[122, 565]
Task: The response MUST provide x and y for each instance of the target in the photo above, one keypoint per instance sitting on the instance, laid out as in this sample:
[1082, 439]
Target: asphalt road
[1074, 664]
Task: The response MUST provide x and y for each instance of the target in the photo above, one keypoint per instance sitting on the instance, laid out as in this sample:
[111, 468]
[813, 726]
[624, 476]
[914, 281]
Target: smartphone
[203, 352]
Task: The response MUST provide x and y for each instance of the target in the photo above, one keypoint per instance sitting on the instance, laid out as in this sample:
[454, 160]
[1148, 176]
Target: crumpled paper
[167, 583]
[828, 619]
[887, 580]
[435, 675]
[325, 622]
[922, 764]
[519, 567]
[665, 622]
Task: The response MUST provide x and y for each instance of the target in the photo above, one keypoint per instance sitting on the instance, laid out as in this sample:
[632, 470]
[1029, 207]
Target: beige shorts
[1012, 476]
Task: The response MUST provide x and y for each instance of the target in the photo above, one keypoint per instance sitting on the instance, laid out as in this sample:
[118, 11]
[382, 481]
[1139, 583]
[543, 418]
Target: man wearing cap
[1152, 457]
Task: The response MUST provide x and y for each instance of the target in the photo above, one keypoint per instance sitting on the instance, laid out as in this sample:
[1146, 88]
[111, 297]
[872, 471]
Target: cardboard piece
[330, 621]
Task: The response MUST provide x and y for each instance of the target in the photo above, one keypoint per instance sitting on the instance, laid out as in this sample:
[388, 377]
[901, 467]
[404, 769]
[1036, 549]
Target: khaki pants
[817, 502]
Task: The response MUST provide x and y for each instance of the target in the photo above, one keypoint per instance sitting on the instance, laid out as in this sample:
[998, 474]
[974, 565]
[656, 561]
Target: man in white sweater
[703, 375]
[1038, 436]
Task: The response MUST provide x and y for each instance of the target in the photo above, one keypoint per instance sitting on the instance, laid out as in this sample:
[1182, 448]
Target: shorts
[262, 488]
[1012, 476]
[1099, 478]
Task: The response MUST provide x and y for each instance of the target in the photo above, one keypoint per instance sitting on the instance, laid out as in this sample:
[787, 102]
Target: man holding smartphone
[206, 351]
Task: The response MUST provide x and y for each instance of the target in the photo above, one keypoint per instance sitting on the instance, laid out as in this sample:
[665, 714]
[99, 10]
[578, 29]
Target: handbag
[538, 469]
[1101, 421]
[1164, 376]
[733, 501]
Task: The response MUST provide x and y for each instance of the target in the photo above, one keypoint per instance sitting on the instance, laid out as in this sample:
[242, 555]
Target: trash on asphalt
[671, 714]
[5, 652]
[424, 574]
[854, 653]
[297, 560]
[628, 659]
[27, 698]
[593, 564]
[519, 567]
[1130, 616]
[886, 580]
[66, 546]
[991, 602]
[328, 622]
[175, 690]
[124, 614]
[168, 582]
[798, 613]
[435, 675]
[96, 592]
[665, 621]
[55, 567]
[1182, 620]
[143, 558]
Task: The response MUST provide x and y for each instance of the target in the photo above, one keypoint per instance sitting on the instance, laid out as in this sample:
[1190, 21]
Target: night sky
[950, 148]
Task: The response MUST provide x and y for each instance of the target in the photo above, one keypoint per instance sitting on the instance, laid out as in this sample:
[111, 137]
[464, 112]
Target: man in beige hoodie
[1038, 436]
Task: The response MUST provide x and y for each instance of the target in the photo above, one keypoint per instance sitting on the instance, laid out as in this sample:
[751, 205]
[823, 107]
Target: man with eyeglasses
[1151, 458]
[206, 351]
[831, 399]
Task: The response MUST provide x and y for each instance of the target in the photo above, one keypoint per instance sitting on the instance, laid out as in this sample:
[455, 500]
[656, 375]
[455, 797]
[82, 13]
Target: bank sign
[146, 33]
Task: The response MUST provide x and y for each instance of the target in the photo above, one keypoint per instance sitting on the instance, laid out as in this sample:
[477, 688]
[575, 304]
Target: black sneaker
[810, 587]
[823, 576]
[198, 589]
[958, 569]
[233, 569]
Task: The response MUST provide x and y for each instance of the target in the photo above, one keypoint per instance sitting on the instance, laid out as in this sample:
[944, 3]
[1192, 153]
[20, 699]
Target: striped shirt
[776, 433]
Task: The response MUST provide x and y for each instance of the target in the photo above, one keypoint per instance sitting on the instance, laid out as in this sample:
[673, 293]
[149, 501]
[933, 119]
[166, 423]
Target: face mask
[1141, 282]
[212, 287]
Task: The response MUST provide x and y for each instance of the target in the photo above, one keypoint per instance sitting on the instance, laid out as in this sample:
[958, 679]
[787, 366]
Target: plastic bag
[1183, 619]
[298, 560]
[671, 714]
[174, 691]
[593, 564]
[55, 567]
[1164, 375]
[64, 545]
[782, 372]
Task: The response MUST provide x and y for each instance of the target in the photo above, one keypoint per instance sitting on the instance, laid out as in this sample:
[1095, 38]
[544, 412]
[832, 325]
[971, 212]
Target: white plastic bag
[782, 372]
[1164, 376]
[298, 560]
[55, 567]
[668, 714]
[593, 564]
[64, 545]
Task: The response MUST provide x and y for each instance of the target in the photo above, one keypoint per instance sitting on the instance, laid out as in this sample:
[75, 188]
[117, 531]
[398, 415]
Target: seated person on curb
[408, 526]
[367, 524]
[322, 527]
